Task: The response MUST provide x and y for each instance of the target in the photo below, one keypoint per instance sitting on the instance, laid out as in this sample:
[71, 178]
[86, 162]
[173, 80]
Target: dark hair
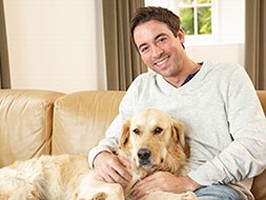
[145, 14]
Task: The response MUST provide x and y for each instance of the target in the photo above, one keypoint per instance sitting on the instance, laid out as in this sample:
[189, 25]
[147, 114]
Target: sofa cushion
[26, 124]
[81, 119]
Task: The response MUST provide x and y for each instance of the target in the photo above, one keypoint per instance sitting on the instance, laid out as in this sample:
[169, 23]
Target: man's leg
[218, 192]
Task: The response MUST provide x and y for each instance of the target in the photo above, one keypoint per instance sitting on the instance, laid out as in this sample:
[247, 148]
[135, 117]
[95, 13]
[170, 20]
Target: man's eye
[162, 39]
[136, 131]
[158, 130]
[144, 49]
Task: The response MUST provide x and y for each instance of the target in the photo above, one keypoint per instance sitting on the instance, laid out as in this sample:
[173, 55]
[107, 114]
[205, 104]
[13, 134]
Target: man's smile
[162, 61]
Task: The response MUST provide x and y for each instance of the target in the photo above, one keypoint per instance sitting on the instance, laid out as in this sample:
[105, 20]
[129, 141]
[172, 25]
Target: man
[217, 102]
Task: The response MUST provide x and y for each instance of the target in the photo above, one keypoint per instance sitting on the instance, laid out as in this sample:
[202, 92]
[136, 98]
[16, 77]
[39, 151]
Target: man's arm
[244, 157]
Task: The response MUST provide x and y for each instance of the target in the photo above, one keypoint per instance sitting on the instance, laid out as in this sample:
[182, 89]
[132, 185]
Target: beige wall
[55, 44]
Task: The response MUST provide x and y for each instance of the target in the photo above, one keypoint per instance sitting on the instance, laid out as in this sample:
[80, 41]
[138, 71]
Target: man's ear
[124, 139]
[178, 130]
[181, 35]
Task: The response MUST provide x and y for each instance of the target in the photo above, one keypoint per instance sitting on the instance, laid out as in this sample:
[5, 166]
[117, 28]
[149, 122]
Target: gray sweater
[226, 126]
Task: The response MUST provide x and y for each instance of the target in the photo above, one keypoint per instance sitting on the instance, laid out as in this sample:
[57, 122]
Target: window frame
[199, 39]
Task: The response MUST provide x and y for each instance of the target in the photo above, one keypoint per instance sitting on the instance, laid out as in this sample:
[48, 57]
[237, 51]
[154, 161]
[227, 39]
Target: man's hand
[165, 182]
[111, 168]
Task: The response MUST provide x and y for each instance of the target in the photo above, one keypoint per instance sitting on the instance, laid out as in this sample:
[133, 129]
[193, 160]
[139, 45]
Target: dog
[151, 141]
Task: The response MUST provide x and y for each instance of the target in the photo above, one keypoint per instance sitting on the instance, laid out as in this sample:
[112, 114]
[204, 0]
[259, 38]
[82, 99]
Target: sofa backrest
[262, 97]
[25, 124]
[81, 119]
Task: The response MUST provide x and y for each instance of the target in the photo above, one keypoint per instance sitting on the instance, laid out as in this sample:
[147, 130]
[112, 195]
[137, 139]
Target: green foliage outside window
[187, 20]
[204, 20]
[203, 1]
[203, 17]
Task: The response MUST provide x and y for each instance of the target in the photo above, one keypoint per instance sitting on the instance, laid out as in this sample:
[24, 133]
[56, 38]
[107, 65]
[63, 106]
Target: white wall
[229, 44]
[233, 53]
[55, 44]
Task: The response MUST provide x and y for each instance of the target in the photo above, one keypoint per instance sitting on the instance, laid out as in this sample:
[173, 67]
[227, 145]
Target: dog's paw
[99, 196]
[4, 196]
[189, 196]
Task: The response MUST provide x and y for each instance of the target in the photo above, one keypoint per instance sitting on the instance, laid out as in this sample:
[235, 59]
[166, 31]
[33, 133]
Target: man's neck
[181, 78]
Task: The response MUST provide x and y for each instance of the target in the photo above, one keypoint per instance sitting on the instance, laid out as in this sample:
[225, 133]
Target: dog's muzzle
[144, 156]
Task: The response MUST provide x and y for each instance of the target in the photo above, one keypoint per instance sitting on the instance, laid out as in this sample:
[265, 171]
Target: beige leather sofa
[35, 122]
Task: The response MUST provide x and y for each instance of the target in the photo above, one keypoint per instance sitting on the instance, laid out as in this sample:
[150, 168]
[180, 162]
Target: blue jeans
[218, 192]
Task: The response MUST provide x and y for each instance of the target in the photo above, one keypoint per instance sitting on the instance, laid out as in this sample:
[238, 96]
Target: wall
[58, 44]
[233, 53]
[55, 44]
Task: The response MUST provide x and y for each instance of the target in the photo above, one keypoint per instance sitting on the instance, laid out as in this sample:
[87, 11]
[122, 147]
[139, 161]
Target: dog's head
[154, 141]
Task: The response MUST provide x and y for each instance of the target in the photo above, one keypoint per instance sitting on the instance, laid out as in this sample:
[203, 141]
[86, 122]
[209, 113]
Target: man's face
[159, 48]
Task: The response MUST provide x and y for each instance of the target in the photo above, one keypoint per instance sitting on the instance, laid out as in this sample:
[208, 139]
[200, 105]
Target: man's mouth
[160, 62]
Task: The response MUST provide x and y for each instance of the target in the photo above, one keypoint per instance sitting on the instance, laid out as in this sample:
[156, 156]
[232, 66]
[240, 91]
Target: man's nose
[156, 51]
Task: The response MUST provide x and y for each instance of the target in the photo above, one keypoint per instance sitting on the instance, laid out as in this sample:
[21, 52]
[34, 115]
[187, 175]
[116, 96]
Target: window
[199, 22]
[196, 16]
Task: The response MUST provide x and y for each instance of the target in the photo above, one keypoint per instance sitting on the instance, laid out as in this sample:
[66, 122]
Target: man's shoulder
[222, 67]
[146, 77]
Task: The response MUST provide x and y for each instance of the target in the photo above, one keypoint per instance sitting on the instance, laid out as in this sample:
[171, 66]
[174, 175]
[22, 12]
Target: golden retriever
[151, 141]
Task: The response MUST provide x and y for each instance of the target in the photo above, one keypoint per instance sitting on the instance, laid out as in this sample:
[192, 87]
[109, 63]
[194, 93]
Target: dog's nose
[144, 154]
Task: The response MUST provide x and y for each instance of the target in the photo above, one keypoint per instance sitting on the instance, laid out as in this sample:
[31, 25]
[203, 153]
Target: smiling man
[226, 126]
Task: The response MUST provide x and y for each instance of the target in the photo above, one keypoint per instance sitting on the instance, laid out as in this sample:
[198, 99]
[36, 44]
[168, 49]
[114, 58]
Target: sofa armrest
[259, 184]
[26, 124]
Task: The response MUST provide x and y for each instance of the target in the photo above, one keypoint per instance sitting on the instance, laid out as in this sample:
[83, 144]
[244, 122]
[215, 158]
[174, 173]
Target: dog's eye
[136, 131]
[158, 130]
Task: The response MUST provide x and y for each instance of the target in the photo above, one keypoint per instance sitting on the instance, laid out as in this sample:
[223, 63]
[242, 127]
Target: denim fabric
[218, 192]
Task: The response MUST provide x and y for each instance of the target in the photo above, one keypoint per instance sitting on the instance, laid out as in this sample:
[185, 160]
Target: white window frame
[195, 7]
[200, 39]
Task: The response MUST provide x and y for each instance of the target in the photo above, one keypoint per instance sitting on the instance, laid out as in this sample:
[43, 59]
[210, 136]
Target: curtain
[123, 63]
[255, 49]
[4, 64]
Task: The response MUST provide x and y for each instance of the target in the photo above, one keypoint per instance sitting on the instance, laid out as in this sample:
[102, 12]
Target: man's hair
[145, 14]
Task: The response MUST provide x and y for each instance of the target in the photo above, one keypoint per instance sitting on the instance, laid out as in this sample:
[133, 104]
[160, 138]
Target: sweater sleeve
[245, 156]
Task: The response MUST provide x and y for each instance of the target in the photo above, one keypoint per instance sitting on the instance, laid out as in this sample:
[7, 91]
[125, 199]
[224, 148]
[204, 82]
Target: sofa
[37, 122]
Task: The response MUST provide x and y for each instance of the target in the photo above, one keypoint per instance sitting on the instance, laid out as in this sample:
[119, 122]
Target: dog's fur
[151, 141]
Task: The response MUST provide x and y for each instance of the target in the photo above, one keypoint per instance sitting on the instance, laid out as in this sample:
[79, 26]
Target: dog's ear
[124, 139]
[178, 131]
